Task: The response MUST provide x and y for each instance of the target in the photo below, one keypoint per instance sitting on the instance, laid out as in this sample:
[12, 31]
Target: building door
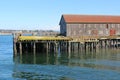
[112, 32]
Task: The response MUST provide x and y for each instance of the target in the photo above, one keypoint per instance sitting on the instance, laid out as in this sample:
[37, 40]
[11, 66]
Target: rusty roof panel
[91, 19]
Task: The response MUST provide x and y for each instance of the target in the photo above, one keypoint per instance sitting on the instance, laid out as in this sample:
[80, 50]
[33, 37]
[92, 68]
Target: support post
[78, 46]
[20, 48]
[56, 48]
[15, 48]
[34, 47]
[69, 47]
[46, 47]
[117, 43]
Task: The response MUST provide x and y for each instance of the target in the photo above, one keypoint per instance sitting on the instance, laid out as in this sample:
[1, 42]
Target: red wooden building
[89, 25]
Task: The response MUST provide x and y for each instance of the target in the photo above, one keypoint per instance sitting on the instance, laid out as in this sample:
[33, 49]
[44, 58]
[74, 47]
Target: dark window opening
[107, 26]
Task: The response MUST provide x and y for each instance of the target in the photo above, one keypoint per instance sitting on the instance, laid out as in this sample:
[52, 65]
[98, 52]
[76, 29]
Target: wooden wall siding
[91, 29]
[117, 29]
[63, 27]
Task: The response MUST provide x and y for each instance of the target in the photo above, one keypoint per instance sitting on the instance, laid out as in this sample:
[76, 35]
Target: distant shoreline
[5, 34]
[35, 32]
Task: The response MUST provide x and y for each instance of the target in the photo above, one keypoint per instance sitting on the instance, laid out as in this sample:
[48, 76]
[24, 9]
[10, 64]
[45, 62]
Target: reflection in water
[65, 66]
[41, 58]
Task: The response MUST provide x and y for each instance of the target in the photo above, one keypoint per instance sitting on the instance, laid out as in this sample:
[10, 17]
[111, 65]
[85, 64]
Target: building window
[107, 26]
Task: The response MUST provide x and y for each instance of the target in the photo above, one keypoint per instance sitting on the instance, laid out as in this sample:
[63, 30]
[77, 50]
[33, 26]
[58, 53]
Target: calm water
[99, 65]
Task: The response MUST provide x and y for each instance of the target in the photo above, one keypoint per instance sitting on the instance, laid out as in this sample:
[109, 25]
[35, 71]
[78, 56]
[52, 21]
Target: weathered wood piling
[47, 44]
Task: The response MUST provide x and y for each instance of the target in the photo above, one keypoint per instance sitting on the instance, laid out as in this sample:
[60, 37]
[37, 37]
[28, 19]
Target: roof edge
[90, 15]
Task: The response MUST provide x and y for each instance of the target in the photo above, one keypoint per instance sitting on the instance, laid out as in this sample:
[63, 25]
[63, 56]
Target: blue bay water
[103, 64]
[6, 58]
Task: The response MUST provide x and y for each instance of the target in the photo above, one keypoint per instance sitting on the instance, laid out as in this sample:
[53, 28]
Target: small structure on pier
[89, 25]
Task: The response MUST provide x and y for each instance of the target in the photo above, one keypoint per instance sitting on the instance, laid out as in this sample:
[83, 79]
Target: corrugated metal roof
[91, 19]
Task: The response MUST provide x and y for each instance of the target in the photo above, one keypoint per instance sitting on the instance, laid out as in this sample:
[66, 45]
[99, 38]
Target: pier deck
[43, 38]
[36, 44]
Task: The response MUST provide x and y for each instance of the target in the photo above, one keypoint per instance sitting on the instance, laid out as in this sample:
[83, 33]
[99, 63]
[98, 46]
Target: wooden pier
[37, 44]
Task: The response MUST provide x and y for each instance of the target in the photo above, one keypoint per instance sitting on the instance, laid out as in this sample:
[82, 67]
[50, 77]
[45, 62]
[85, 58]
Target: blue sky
[46, 14]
